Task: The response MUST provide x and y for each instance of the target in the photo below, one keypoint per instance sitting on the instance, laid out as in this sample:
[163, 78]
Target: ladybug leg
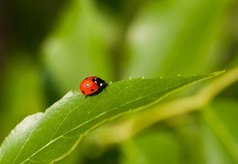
[86, 97]
[104, 89]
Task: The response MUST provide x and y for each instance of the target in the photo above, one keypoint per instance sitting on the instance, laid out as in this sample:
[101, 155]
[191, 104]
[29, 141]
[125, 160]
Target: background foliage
[47, 47]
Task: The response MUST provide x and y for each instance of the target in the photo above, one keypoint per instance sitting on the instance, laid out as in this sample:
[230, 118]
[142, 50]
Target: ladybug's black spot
[86, 78]
[94, 80]
[92, 90]
[83, 91]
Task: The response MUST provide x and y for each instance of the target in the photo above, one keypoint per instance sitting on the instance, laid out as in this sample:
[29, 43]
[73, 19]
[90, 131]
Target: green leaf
[190, 27]
[51, 136]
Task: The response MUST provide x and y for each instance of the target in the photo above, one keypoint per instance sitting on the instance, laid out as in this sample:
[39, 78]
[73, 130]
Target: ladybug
[92, 86]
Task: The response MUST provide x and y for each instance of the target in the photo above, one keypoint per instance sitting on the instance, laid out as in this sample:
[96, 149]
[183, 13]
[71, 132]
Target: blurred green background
[47, 47]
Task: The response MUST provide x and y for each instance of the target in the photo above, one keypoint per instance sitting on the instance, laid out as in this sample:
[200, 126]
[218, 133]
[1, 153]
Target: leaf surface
[50, 136]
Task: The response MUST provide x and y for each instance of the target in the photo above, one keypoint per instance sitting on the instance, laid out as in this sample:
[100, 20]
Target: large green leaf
[50, 136]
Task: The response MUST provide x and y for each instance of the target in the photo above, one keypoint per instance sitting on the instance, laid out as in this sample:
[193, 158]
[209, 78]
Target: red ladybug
[92, 86]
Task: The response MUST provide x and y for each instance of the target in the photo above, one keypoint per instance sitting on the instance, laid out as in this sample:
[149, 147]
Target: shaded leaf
[160, 147]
